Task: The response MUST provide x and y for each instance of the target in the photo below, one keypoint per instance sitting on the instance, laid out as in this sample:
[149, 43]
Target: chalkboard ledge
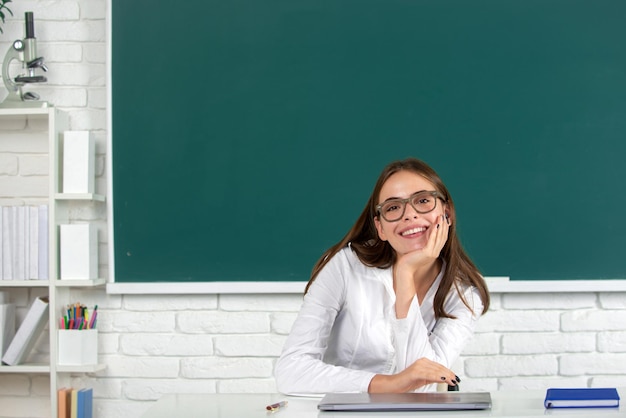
[496, 285]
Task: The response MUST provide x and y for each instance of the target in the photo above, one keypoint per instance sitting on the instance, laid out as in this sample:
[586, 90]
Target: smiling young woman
[390, 306]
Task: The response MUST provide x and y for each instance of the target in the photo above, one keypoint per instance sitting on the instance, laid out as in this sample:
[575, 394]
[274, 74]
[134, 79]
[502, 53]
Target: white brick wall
[154, 344]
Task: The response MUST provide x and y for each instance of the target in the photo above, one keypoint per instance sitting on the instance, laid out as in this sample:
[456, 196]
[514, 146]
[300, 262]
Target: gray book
[7, 325]
[28, 333]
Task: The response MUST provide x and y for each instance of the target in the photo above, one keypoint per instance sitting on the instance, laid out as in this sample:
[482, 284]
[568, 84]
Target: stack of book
[75, 403]
[24, 241]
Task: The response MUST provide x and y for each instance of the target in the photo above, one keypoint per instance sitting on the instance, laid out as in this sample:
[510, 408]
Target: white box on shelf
[79, 251]
[78, 347]
[78, 162]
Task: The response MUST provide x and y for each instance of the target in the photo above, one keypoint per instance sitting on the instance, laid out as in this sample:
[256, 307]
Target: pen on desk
[276, 406]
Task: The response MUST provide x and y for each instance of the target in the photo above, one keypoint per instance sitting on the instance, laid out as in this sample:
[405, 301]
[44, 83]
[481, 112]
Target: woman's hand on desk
[418, 374]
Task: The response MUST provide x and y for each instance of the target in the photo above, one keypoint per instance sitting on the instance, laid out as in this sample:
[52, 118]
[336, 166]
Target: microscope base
[22, 104]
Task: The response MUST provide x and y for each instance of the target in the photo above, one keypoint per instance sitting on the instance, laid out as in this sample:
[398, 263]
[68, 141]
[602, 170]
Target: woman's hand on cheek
[436, 243]
[438, 235]
[413, 267]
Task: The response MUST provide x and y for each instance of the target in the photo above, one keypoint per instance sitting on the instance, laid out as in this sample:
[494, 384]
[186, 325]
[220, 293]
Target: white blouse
[347, 331]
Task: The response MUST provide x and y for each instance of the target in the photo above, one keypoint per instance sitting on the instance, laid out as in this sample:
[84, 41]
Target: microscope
[24, 51]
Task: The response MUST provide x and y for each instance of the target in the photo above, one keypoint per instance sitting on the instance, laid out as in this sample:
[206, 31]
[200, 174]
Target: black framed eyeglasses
[425, 201]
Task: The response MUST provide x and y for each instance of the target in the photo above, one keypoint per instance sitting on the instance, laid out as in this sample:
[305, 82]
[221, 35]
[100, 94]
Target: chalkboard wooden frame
[595, 165]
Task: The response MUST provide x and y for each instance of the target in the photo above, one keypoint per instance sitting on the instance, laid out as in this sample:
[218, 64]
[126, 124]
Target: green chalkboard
[247, 134]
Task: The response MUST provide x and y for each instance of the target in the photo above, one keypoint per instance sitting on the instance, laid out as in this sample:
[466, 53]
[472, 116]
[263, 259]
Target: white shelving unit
[50, 122]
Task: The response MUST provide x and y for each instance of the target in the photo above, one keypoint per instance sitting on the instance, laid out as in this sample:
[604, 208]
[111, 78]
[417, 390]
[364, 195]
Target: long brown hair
[372, 251]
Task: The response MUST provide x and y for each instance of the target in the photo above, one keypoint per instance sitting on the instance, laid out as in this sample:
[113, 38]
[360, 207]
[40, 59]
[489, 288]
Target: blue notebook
[85, 403]
[581, 398]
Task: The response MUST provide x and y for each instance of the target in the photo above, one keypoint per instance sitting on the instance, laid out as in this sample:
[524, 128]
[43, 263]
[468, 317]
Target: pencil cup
[78, 347]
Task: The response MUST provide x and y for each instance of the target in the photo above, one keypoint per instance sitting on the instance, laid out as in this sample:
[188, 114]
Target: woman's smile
[414, 231]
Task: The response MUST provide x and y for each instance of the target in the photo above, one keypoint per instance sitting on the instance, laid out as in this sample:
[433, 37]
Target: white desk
[504, 404]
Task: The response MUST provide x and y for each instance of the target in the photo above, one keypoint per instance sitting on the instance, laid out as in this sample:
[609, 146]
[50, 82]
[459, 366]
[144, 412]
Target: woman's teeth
[413, 231]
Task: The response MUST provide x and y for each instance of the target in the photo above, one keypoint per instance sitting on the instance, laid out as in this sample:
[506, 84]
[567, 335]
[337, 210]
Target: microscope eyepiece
[30, 25]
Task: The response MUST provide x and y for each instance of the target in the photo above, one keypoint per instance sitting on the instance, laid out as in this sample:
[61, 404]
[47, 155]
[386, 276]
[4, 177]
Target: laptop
[423, 401]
